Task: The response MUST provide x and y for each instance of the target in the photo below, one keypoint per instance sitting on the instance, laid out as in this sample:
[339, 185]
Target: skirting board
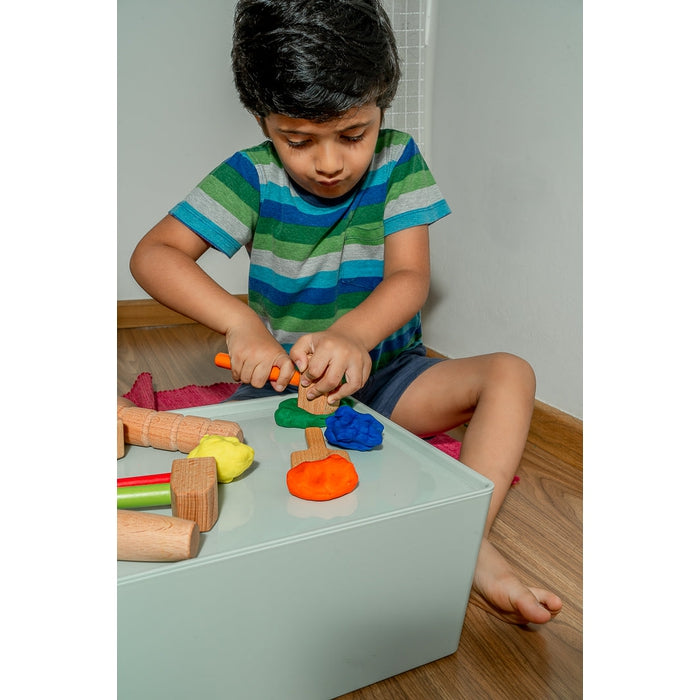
[551, 429]
[145, 313]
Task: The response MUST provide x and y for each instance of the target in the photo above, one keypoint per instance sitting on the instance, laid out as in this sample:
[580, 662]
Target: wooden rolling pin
[169, 431]
[152, 537]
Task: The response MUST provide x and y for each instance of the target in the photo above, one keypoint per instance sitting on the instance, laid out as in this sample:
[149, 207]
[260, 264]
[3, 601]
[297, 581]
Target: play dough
[356, 431]
[290, 415]
[322, 479]
[232, 456]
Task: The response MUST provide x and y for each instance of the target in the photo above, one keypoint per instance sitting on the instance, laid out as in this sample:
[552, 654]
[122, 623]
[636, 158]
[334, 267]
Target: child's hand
[334, 363]
[254, 352]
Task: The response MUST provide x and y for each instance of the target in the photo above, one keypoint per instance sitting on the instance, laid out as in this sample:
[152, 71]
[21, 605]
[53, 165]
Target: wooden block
[152, 537]
[120, 438]
[194, 491]
[318, 406]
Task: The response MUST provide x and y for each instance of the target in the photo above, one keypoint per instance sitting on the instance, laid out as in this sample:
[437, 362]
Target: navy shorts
[382, 390]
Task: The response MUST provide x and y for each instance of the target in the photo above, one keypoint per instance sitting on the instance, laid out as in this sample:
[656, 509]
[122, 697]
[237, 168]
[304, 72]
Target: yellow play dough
[231, 455]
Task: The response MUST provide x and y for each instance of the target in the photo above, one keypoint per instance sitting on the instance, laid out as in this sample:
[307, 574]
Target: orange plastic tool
[223, 360]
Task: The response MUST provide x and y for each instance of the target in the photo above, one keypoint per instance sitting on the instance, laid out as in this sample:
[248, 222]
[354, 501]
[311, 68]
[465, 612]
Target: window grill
[409, 111]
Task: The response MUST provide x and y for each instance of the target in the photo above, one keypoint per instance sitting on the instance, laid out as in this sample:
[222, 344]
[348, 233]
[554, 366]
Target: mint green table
[290, 599]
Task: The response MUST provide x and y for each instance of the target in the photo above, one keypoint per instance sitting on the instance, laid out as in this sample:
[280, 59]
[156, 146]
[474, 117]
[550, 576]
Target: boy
[334, 213]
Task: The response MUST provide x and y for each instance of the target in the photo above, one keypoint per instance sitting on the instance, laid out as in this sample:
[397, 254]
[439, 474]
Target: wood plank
[175, 356]
[558, 433]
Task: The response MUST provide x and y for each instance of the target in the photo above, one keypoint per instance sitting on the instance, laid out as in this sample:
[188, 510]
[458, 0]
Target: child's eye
[297, 144]
[353, 139]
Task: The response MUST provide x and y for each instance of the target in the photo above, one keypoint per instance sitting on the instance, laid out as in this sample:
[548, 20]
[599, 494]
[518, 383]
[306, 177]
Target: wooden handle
[144, 495]
[317, 448]
[316, 441]
[162, 478]
[153, 537]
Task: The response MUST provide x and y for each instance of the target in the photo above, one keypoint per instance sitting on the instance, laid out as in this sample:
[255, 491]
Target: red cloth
[143, 394]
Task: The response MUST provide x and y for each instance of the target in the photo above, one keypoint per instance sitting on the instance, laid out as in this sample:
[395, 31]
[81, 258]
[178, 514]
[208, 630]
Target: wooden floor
[539, 530]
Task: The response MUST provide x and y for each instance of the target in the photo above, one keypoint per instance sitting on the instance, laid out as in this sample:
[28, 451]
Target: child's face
[330, 158]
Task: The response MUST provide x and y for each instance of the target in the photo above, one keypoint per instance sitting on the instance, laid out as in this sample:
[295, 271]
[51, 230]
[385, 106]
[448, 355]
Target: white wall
[506, 152]
[505, 149]
[178, 118]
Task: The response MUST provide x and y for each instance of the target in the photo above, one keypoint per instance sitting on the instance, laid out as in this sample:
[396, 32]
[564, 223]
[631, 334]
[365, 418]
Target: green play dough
[289, 415]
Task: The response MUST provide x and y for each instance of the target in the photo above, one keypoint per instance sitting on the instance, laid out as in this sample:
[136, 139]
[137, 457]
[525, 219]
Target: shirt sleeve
[223, 208]
[413, 197]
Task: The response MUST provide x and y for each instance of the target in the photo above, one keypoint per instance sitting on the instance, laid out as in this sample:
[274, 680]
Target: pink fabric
[143, 394]
[446, 444]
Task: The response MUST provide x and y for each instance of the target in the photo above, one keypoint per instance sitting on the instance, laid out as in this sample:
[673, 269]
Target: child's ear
[263, 126]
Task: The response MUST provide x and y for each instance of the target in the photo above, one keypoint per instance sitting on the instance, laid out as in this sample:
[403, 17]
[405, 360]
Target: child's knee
[515, 371]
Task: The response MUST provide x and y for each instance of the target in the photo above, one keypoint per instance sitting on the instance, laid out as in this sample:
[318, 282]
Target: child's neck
[311, 198]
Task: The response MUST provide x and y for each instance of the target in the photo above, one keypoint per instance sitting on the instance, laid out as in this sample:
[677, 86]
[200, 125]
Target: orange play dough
[322, 479]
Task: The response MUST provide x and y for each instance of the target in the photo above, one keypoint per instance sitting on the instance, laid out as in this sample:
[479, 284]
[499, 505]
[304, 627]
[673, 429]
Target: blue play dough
[356, 431]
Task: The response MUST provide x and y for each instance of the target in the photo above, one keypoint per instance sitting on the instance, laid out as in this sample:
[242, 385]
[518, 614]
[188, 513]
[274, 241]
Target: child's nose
[328, 160]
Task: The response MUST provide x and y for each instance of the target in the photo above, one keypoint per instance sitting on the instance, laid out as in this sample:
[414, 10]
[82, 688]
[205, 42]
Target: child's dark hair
[313, 59]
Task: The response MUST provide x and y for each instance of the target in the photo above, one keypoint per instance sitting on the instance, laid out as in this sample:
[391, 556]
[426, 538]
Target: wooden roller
[153, 537]
[120, 438]
[165, 430]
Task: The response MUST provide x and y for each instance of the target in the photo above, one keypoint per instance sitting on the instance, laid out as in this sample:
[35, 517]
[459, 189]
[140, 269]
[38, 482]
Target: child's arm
[164, 263]
[343, 350]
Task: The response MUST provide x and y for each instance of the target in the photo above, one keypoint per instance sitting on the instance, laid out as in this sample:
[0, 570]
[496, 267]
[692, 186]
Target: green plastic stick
[145, 496]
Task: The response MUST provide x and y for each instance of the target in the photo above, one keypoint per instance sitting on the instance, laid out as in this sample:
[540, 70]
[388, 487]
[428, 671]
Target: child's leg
[495, 394]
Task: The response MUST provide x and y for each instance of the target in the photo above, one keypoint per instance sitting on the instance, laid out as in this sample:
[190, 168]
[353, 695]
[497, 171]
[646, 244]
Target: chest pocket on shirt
[362, 261]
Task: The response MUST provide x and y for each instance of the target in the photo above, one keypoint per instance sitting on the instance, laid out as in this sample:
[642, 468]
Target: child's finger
[284, 377]
[353, 379]
[223, 360]
[301, 351]
[322, 374]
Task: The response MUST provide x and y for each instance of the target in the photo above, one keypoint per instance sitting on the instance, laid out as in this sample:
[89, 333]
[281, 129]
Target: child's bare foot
[497, 590]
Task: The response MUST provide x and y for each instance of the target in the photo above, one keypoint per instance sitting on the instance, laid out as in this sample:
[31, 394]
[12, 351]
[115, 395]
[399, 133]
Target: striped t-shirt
[314, 259]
